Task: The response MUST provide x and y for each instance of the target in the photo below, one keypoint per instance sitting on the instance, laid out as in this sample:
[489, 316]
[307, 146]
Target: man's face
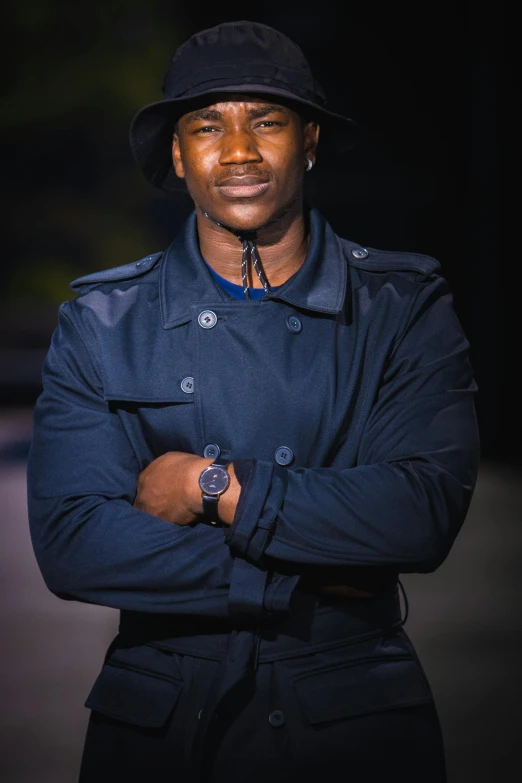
[243, 159]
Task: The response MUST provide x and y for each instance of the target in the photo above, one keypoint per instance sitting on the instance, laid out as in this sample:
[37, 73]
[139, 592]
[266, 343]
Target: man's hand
[168, 488]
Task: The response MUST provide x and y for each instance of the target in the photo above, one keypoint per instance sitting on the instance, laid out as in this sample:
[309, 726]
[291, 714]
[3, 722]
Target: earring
[309, 164]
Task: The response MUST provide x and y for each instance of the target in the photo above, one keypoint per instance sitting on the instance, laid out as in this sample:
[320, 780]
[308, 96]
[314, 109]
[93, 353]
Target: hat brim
[152, 128]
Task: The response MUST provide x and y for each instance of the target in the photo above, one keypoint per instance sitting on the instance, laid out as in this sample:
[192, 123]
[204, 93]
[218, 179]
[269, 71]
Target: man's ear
[311, 138]
[176, 157]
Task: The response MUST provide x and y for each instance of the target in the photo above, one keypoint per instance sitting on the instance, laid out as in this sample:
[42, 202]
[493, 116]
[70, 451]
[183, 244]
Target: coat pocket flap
[133, 696]
[361, 688]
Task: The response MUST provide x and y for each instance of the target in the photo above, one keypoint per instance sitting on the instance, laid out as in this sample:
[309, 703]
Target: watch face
[214, 480]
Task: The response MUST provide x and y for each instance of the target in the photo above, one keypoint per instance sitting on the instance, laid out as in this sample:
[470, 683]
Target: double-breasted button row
[283, 455]
[207, 319]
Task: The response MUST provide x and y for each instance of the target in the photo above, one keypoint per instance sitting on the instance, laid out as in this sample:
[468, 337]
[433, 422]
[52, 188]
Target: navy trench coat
[346, 400]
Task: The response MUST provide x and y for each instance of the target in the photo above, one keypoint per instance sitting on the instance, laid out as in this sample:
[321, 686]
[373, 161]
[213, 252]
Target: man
[241, 444]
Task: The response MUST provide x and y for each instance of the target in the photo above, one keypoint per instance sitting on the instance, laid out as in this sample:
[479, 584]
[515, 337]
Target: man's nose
[239, 146]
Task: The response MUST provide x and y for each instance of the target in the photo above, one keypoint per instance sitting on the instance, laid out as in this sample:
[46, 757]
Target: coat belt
[311, 626]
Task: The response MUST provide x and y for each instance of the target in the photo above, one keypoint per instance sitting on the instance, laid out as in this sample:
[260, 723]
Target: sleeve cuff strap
[263, 488]
[255, 478]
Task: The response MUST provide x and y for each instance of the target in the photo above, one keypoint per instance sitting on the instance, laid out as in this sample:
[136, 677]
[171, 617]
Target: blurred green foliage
[76, 200]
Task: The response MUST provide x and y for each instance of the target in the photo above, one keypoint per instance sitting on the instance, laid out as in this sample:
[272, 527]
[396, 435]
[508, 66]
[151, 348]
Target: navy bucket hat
[239, 57]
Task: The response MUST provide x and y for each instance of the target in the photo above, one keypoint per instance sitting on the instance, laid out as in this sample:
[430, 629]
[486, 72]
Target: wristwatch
[213, 481]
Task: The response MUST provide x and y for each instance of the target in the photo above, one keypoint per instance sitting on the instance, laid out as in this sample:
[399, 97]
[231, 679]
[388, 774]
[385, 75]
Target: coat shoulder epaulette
[373, 260]
[115, 274]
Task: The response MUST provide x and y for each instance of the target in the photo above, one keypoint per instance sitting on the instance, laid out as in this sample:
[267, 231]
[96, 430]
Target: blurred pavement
[464, 621]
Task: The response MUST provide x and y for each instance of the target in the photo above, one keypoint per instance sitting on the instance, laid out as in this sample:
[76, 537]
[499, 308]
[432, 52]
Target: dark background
[434, 172]
[423, 80]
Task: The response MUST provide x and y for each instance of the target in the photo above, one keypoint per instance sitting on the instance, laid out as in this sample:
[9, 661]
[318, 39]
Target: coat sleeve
[90, 543]
[405, 500]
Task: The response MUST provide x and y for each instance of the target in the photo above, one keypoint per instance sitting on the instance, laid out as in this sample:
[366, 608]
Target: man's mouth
[243, 187]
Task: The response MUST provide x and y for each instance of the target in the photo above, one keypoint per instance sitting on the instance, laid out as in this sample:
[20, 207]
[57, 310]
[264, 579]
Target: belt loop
[406, 604]
[256, 649]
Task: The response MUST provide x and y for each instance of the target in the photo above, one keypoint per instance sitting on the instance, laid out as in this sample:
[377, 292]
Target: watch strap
[210, 510]
[210, 502]
[221, 462]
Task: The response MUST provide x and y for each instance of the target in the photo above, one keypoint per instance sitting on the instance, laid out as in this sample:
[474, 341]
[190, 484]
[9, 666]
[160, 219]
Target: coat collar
[319, 285]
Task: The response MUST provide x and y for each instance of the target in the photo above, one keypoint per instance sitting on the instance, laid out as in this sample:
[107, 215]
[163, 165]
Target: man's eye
[206, 129]
[268, 123]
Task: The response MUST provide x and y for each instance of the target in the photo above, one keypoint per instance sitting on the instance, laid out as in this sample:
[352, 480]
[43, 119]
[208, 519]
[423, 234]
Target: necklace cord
[248, 238]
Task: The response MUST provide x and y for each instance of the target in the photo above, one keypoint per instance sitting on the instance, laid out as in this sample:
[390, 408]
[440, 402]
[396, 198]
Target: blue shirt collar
[237, 291]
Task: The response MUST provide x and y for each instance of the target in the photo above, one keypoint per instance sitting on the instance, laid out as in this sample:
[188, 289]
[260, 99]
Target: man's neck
[282, 249]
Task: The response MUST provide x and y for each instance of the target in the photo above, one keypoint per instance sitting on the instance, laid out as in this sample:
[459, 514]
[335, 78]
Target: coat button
[360, 252]
[207, 319]
[284, 455]
[211, 451]
[187, 385]
[294, 324]
[277, 718]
